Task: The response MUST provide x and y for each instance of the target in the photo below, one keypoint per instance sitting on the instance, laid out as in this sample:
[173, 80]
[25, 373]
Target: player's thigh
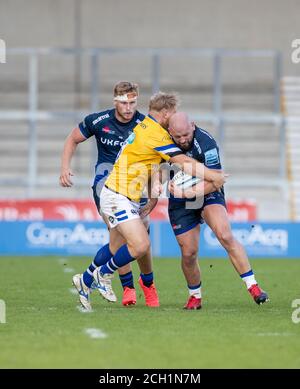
[116, 240]
[189, 242]
[136, 236]
[215, 215]
[133, 231]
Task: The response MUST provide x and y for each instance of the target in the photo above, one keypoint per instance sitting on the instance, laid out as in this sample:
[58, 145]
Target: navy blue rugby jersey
[109, 132]
[205, 150]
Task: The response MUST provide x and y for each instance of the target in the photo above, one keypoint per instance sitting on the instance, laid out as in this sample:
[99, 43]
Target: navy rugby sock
[121, 258]
[102, 256]
[127, 280]
[147, 279]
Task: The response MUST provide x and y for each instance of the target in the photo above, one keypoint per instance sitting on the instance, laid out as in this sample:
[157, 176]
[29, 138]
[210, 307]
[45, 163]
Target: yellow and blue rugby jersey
[143, 151]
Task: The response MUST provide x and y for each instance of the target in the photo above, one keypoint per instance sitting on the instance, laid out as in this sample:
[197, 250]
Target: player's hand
[65, 179]
[219, 179]
[175, 190]
[148, 208]
[156, 190]
[179, 193]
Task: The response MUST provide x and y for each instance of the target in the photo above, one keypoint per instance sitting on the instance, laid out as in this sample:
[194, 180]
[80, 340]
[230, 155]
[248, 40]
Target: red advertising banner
[70, 210]
[85, 210]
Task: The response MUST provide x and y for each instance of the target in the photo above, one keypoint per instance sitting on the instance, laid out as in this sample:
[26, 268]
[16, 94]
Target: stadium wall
[255, 24]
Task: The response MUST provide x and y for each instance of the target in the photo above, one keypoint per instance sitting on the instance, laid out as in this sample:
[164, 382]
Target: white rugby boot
[83, 291]
[103, 284]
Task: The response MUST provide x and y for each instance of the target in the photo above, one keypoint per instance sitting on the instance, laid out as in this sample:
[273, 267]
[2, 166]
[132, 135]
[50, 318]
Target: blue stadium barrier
[84, 238]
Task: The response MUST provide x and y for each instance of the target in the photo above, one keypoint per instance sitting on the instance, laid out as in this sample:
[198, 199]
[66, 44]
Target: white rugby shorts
[118, 209]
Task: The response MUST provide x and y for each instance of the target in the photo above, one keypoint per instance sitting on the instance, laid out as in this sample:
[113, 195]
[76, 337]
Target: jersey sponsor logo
[107, 130]
[99, 118]
[197, 146]
[210, 196]
[111, 142]
[134, 212]
[211, 157]
[131, 138]
[176, 226]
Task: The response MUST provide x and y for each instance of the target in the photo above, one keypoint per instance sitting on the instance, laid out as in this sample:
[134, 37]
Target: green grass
[45, 329]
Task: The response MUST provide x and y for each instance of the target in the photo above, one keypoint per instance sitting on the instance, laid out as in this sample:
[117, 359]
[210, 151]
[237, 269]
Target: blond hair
[124, 87]
[161, 100]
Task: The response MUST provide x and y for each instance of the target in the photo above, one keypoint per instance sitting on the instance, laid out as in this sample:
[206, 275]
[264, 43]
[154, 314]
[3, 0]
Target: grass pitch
[45, 329]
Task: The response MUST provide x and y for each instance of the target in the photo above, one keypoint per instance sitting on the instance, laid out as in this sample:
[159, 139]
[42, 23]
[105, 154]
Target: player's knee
[225, 237]
[189, 261]
[140, 248]
[189, 254]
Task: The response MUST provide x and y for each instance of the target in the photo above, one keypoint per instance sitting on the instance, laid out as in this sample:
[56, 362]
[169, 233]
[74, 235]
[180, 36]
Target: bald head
[181, 129]
[178, 121]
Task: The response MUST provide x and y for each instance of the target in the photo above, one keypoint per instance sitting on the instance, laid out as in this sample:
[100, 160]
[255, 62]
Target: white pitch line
[274, 334]
[62, 261]
[69, 270]
[83, 310]
[95, 333]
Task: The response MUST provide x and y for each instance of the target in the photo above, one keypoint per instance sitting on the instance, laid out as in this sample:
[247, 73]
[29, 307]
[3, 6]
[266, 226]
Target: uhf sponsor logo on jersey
[38, 234]
[111, 142]
[257, 239]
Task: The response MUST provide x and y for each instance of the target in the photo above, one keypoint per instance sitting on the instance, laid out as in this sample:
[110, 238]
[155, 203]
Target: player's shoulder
[155, 130]
[200, 132]
[203, 136]
[139, 117]
[98, 117]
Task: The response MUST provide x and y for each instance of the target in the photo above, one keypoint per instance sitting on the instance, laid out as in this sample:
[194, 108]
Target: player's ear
[193, 125]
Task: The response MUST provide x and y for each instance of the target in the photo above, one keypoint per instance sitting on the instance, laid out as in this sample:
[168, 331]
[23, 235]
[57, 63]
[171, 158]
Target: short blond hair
[161, 100]
[124, 87]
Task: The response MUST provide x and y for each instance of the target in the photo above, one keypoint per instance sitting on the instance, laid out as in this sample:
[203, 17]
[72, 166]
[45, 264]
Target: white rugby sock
[195, 291]
[249, 278]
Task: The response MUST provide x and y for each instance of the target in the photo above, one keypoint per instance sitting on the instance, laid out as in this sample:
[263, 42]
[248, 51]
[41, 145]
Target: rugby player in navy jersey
[186, 217]
[111, 128]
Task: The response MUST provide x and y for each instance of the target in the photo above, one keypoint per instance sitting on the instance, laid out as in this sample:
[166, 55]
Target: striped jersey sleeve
[168, 151]
[164, 145]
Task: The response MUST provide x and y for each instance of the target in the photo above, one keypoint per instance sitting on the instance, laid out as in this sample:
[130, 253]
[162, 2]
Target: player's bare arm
[154, 191]
[197, 169]
[198, 190]
[73, 139]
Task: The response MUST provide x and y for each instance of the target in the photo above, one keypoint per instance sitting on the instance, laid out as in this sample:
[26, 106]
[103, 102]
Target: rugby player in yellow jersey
[110, 128]
[145, 149]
